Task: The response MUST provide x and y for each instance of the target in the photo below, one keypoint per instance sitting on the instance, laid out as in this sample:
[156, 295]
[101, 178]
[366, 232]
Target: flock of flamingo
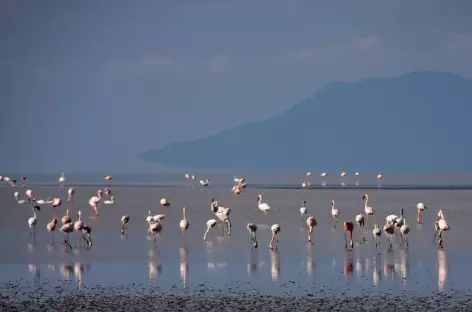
[394, 224]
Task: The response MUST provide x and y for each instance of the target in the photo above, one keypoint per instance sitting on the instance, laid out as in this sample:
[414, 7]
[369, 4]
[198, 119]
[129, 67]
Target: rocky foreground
[240, 302]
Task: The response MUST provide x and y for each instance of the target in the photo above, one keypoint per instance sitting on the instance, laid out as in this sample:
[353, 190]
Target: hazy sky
[86, 85]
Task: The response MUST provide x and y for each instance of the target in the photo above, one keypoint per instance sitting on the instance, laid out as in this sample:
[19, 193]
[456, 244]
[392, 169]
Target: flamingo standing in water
[87, 235]
[441, 226]
[323, 175]
[377, 233]
[56, 202]
[367, 209]
[264, 207]
[32, 221]
[210, 224]
[154, 229]
[62, 179]
[360, 219]
[110, 201]
[184, 224]
[357, 174]
[310, 223]
[95, 200]
[66, 219]
[348, 228]
[379, 179]
[51, 227]
[389, 230]
[404, 230]
[222, 213]
[70, 194]
[78, 225]
[204, 183]
[420, 207]
[334, 213]
[29, 195]
[67, 228]
[303, 208]
[252, 228]
[275, 229]
[18, 200]
[124, 222]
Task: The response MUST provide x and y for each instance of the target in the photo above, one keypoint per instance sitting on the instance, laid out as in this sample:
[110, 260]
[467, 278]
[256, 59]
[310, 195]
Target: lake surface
[229, 263]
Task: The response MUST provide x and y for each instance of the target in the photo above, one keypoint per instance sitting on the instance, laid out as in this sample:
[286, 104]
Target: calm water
[228, 262]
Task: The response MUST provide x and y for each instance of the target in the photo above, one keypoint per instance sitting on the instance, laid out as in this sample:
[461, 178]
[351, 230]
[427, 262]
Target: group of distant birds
[394, 224]
[343, 175]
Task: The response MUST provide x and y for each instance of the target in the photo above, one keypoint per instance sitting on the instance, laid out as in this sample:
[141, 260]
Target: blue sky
[86, 85]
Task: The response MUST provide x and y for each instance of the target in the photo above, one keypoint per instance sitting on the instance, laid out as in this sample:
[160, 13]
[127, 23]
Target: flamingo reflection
[376, 277]
[348, 264]
[183, 266]
[34, 269]
[275, 264]
[404, 264]
[212, 264]
[252, 264]
[310, 264]
[442, 269]
[389, 265]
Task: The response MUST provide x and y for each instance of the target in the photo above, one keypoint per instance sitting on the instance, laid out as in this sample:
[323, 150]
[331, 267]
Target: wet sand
[188, 272]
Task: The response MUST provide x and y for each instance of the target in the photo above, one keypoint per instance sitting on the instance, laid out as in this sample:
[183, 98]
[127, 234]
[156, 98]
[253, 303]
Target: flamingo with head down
[70, 194]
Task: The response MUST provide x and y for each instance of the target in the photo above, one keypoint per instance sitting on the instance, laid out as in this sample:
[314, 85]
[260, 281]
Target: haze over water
[228, 262]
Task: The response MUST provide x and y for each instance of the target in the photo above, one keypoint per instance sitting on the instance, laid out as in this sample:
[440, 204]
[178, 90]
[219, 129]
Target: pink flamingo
[441, 226]
[95, 200]
[29, 194]
[107, 191]
[56, 202]
[66, 219]
[51, 226]
[70, 194]
[67, 229]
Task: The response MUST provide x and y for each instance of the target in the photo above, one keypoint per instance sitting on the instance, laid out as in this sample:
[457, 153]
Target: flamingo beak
[363, 197]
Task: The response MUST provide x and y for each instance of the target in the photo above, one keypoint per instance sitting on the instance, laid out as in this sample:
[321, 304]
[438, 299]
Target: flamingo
[404, 230]
[124, 222]
[110, 201]
[222, 213]
[70, 194]
[262, 206]
[108, 177]
[357, 174]
[420, 207]
[310, 223]
[184, 224]
[252, 228]
[87, 235]
[48, 200]
[323, 175]
[107, 191]
[305, 184]
[379, 179]
[360, 220]
[368, 210]
[62, 178]
[348, 228]
[343, 175]
[78, 225]
[57, 202]
[95, 200]
[66, 219]
[164, 202]
[29, 195]
[187, 176]
[67, 228]
[204, 183]
[389, 230]
[275, 229]
[441, 226]
[210, 224]
[18, 200]
[51, 227]
[154, 229]
[377, 233]
[303, 208]
[334, 213]
[398, 222]
[32, 221]
[149, 217]
[158, 218]
[308, 174]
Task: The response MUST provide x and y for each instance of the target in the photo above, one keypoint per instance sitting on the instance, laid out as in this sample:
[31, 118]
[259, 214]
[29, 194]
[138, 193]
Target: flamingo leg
[228, 222]
[345, 239]
[434, 238]
[205, 235]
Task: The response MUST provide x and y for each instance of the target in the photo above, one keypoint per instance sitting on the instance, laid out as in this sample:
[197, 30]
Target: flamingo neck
[185, 213]
[366, 201]
[34, 213]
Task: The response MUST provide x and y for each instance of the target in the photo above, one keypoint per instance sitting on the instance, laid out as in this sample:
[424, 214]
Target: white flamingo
[70, 194]
[420, 207]
[154, 229]
[67, 228]
[252, 228]
[210, 224]
[110, 201]
[62, 178]
[222, 213]
[204, 183]
[441, 226]
[158, 218]
[334, 213]
[360, 219]
[368, 210]
[275, 229]
[377, 233]
[149, 218]
[389, 230]
[262, 206]
[32, 221]
[303, 208]
[184, 224]
[404, 230]
[78, 225]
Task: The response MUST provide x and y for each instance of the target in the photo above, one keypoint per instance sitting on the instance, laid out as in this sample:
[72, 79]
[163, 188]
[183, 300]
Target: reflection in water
[252, 264]
[389, 264]
[358, 266]
[34, 269]
[31, 247]
[76, 270]
[376, 272]
[183, 266]
[348, 263]
[442, 269]
[275, 264]
[50, 248]
[155, 269]
[212, 264]
[310, 264]
[404, 264]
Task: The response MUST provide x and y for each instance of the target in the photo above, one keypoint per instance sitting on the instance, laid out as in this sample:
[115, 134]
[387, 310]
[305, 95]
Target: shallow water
[228, 263]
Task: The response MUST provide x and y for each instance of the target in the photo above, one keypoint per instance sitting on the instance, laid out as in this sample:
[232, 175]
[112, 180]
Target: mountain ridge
[346, 120]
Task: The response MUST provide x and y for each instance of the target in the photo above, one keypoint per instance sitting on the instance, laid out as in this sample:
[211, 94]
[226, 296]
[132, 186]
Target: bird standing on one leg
[124, 224]
[275, 229]
[349, 227]
[310, 223]
[377, 233]
[51, 227]
[252, 228]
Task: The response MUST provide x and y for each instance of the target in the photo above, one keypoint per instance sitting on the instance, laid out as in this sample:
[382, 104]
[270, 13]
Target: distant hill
[417, 122]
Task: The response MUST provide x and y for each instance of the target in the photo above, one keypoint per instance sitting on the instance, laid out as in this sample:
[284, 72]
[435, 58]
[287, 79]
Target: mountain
[416, 122]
